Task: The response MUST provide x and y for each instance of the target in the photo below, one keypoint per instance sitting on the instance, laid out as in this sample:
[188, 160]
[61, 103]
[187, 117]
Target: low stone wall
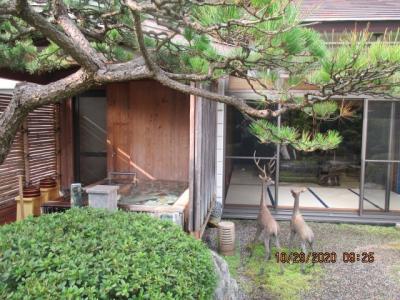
[227, 288]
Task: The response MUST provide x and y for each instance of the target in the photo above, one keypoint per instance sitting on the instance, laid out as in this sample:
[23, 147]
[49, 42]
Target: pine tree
[181, 42]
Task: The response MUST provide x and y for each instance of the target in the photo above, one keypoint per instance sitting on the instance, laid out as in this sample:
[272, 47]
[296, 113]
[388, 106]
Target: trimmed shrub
[94, 254]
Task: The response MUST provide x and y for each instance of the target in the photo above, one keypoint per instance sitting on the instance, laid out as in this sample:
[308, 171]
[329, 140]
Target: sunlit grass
[288, 285]
[234, 263]
[266, 274]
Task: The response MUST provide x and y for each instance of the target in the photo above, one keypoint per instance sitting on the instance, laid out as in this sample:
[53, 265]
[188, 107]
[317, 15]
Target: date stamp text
[324, 257]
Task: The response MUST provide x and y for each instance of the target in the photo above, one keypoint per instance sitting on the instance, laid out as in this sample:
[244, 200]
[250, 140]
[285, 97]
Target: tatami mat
[376, 202]
[244, 194]
[394, 201]
[377, 196]
[337, 197]
[245, 176]
[307, 199]
[245, 189]
[250, 195]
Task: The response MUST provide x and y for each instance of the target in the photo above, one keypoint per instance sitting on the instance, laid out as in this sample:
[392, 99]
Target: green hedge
[94, 254]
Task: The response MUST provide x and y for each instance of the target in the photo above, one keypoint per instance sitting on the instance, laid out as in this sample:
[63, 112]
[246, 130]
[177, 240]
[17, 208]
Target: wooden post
[196, 234]
[192, 177]
[26, 150]
[205, 221]
[21, 195]
[198, 159]
[58, 148]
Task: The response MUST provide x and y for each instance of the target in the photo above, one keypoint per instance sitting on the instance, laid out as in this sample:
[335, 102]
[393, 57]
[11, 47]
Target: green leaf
[95, 254]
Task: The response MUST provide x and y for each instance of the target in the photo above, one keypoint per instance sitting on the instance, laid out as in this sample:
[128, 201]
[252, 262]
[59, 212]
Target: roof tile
[350, 10]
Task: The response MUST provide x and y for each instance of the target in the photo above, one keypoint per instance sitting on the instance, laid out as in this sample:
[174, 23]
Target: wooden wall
[8, 212]
[148, 130]
[202, 162]
[66, 143]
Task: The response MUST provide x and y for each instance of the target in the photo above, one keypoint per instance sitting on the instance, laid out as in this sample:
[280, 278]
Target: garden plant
[95, 254]
[184, 44]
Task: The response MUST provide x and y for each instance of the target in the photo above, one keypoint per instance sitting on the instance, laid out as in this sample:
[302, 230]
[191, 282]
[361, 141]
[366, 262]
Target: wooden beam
[41, 79]
[198, 158]
[196, 234]
[58, 149]
[205, 222]
[66, 143]
[26, 151]
[21, 195]
[192, 177]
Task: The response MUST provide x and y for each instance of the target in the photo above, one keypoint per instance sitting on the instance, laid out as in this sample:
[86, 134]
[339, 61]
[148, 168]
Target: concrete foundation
[103, 196]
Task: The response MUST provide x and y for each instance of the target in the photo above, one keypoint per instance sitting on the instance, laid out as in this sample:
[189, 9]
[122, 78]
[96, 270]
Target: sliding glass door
[242, 182]
[331, 178]
[381, 157]
[361, 176]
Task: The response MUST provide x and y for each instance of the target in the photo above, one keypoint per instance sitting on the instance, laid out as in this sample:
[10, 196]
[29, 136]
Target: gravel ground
[377, 280]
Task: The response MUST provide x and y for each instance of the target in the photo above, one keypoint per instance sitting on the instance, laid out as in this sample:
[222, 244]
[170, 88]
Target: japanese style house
[140, 126]
[359, 181]
[161, 134]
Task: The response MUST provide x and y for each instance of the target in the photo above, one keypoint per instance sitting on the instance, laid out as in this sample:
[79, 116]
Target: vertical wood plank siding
[66, 143]
[148, 130]
[38, 162]
[202, 179]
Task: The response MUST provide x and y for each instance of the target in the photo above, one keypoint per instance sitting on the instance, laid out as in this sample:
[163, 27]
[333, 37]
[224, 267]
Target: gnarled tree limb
[82, 57]
[76, 36]
[250, 42]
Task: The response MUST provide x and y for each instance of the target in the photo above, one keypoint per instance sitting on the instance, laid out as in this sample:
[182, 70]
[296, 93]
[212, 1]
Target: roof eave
[349, 19]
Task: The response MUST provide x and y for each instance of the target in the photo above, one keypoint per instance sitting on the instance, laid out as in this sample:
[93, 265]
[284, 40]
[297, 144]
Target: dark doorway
[90, 137]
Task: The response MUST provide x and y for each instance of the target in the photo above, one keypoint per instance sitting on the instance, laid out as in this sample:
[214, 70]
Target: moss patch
[234, 263]
[371, 229]
[394, 246]
[266, 274]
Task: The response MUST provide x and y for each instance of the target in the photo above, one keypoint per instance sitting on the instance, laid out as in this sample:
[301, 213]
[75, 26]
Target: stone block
[103, 196]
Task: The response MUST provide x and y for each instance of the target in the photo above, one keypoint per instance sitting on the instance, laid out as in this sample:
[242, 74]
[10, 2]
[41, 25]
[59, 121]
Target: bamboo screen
[13, 165]
[37, 143]
[42, 144]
